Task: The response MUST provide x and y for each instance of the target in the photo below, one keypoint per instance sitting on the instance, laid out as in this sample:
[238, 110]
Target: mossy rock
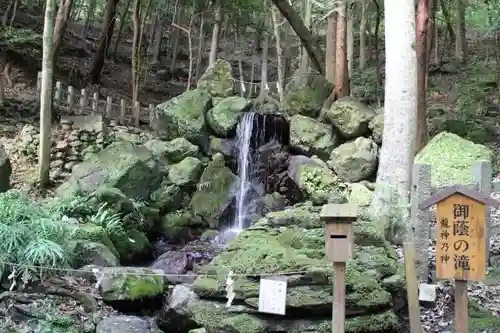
[93, 233]
[131, 245]
[172, 224]
[187, 172]
[305, 94]
[452, 159]
[300, 248]
[214, 191]
[179, 148]
[130, 283]
[91, 253]
[218, 80]
[223, 117]
[168, 197]
[481, 320]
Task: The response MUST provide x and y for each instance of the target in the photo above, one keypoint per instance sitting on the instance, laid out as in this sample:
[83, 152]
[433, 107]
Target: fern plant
[30, 236]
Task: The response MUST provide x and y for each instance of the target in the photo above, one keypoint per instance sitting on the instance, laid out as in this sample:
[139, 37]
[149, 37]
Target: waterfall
[243, 141]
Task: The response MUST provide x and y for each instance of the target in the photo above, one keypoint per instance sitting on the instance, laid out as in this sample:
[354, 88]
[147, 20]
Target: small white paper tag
[427, 292]
[272, 295]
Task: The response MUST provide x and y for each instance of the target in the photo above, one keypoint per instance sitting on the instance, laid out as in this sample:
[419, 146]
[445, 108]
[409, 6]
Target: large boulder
[5, 170]
[186, 172]
[214, 191]
[291, 242]
[350, 117]
[306, 94]
[134, 170]
[130, 283]
[311, 137]
[184, 116]
[316, 181]
[218, 80]
[452, 158]
[355, 160]
[179, 148]
[223, 117]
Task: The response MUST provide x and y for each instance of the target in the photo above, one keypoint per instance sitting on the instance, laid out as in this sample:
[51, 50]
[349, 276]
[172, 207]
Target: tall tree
[104, 41]
[46, 96]
[400, 108]
[423, 59]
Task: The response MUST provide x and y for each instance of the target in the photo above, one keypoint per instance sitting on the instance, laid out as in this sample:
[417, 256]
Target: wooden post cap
[447, 192]
[339, 213]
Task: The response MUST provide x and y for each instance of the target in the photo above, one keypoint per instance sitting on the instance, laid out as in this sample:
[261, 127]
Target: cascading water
[243, 140]
[255, 131]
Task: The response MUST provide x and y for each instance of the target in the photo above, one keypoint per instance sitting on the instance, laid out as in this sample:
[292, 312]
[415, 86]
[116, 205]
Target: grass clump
[30, 235]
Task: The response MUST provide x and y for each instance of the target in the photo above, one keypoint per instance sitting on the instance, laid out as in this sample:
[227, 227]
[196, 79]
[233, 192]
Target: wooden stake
[461, 307]
[412, 287]
[338, 306]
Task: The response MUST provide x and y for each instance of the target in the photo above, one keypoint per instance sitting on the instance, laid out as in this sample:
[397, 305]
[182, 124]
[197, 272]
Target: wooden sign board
[460, 233]
[460, 239]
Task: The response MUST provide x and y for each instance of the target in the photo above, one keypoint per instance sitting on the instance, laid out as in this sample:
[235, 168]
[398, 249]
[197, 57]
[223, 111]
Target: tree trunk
[215, 34]
[88, 16]
[331, 40]
[460, 39]
[376, 43]
[201, 46]
[46, 96]
[342, 88]
[157, 40]
[106, 34]
[350, 39]
[422, 59]
[307, 39]
[447, 19]
[175, 39]
[304, 60]
[394, 171]
[263, 94]
[135, 47]
[123, 17]
[60, 26]
[362, 37]
[279, 56]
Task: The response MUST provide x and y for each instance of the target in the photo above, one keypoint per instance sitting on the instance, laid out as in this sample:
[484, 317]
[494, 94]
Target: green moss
[480, 319]
[173, 223]
[244, 323]
[319, 183]
[452, 158]
[93, 233]
[131, 245]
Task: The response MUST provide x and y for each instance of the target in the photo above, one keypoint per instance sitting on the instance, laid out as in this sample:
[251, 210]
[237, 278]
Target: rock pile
[72, 144]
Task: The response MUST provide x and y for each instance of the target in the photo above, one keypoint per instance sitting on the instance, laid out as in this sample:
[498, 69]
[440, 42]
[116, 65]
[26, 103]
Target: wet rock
[91, 253]
[175, 262]
[223, 117]
[214, 192]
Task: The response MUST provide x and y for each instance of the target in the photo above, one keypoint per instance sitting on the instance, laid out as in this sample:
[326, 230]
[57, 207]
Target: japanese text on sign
[460, 246]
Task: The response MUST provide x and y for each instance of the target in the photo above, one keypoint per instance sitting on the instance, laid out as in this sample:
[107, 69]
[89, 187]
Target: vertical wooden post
[461, 307]
[481, 174]
[420, 219]
[95, 103]
[137, 113]
[338, 306]
[123, 109]
[83, 100]
[338, 220]
[412, 287]
[109, 106]
[71, 98]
